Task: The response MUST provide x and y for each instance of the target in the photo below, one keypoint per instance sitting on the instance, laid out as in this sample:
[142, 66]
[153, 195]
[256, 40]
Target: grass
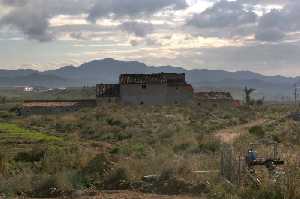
[13, 131]
[136, 141]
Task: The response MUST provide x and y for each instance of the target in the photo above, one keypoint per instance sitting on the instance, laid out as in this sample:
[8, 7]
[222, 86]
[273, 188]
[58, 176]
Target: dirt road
[134, 195]
[229, 135]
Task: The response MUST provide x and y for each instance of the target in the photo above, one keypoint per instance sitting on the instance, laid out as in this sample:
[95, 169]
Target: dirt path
[229, 135]
[133, 195]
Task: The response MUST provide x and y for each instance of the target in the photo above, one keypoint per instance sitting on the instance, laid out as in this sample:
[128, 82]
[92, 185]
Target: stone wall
[152, 94]
[54, 106]
[156, 94]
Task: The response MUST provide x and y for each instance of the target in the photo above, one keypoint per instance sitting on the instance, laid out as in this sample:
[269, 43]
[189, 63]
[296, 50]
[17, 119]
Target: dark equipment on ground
[269, 159]
[295, 116]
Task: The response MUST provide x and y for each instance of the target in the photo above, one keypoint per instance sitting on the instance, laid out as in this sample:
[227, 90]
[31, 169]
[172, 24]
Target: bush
[93, 174]
[3, 165]
[114, 122]
[117, 179]
[35, 155]
[16, 185]
[273, 192]
[51, 185]
[212, 146]
[6, 115]
[58, 158]
[257, 131]
[181, 147]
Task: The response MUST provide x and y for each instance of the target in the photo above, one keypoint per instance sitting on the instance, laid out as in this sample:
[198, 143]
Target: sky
[257, 35]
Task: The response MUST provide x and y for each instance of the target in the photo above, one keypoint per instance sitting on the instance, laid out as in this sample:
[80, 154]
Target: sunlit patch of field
[12, 131]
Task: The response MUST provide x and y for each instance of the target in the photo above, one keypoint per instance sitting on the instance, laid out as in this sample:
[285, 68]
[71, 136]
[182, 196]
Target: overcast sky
[257, 35]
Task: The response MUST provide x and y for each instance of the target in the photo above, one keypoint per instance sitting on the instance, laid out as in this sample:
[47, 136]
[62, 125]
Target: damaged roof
[157, 78]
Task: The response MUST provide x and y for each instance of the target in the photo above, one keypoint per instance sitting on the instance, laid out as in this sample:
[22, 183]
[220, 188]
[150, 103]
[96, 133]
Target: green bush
[257, 131]
[34, 155]
[273, 192]
[115, 122]
[212, 146]
[94, 173]
[181, 147]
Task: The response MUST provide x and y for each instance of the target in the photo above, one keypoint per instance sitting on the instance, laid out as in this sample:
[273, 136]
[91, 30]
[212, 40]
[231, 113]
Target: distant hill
[108, 71]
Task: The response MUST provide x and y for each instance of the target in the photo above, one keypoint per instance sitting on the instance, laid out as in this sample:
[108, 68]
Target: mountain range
[108, 71]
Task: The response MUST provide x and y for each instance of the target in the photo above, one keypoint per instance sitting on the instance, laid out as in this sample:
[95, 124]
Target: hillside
[108, 71]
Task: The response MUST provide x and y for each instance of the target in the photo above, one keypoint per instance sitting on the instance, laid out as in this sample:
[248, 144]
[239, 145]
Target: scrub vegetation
[113, 146]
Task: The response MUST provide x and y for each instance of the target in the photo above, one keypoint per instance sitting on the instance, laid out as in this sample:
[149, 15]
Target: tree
[248, 92]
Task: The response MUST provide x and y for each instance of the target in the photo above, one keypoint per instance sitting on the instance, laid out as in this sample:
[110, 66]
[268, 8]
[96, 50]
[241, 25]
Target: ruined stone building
[216, 97]
[148, 89]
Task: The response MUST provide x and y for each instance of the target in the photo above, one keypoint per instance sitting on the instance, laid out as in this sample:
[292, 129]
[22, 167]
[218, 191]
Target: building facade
[149, 89]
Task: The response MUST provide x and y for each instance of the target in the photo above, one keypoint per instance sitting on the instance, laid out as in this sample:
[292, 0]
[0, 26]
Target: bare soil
[229, 135]
[133, 195]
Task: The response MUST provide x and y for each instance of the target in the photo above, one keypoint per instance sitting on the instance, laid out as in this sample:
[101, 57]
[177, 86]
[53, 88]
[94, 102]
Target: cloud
[31, 21]
[32, 17]
[139, 29]
[131, 8]
[276, 24]
[13, 2]
[223, 14]
[267, 58]
[269, 34]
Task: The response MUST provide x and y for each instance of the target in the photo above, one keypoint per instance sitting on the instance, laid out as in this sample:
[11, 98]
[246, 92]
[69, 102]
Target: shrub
[3, 164]
[257, 131]
[34, 155]
[115, 122]
[212, 146]
[51, 185]
[117, 179]
[273, 192]
[57, 159]
[16, 185]
[6, 115]
[93, 174]
[181, 147]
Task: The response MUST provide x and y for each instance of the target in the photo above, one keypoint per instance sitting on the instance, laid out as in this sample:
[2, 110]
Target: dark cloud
[13, 2]
[276, 24]
[223, 20]
[32, 16]
[121, 8]
[139, 29]
[238, 19]
[269, 34]
[31, 21]
[265, 2]
[223, 14]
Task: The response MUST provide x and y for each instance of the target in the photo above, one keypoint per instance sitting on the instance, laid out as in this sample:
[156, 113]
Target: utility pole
[296, 93]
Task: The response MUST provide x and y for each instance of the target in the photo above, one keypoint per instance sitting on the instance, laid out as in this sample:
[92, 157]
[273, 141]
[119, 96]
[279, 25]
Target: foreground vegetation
[113, 146]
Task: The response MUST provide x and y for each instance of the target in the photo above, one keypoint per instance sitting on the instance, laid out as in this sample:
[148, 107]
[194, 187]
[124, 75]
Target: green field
[13, 131]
